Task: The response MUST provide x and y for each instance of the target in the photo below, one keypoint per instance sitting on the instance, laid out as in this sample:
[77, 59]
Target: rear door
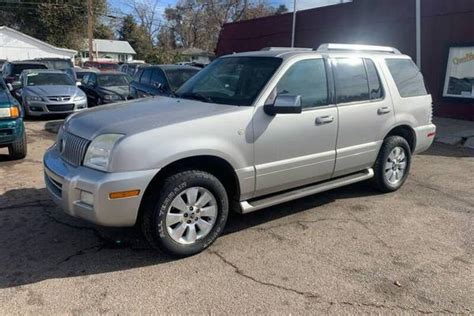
[365, 113]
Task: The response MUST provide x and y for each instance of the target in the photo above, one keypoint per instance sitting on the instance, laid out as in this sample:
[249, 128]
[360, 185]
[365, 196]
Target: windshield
[177, 77]
[113, 80]
[48, 79]
[231, 80]
[18, 68]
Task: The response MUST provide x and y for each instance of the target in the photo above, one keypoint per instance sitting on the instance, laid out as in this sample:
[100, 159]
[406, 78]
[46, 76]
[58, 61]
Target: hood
[123, 91]
[133, 117]
[51, 90]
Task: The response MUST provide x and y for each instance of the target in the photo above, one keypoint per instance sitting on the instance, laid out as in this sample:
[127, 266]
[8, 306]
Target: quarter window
[375, 86]
[408, 78]
[306, 78]
[146, 76]
[158, 77]
[351, 80]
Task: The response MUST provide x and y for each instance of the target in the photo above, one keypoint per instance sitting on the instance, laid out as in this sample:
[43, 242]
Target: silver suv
[249, 131]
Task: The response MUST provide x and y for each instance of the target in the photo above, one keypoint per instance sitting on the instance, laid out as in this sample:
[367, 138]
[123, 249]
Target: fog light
[87, 198]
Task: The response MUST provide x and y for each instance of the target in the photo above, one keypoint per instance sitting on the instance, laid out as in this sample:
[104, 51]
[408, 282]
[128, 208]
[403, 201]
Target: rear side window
[351, 80]
[375, 86]
[306, 78]
[408, 77]
[146, 76]
[157, 77]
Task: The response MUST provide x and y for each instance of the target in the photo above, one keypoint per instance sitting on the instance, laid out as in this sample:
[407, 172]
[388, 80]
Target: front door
[296, 149]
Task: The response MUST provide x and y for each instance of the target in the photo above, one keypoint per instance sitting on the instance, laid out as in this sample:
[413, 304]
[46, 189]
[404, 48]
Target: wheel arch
[405, 131]
[217, 166]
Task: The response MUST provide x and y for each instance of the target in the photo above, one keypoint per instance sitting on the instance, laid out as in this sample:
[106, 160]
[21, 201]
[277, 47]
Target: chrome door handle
[324, 120]
[384, 110]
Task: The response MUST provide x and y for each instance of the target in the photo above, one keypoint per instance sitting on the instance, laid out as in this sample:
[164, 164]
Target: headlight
[33, 98]
[98, 152]
[112, 97]
[79, 98]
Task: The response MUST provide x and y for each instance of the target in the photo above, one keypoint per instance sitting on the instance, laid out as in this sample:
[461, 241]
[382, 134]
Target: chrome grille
[60, 98]
[73, 148]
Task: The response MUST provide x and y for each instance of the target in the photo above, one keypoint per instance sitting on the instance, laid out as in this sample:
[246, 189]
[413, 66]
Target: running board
[258, 204]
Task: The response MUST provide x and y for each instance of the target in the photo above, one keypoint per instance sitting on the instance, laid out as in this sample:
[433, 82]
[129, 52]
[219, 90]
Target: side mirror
[16, 85]
[284, 104]
[158, 85]
[78, 83]
[10, 87]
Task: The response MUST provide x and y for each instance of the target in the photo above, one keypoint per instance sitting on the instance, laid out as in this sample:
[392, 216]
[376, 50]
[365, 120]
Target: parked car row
[48, 85]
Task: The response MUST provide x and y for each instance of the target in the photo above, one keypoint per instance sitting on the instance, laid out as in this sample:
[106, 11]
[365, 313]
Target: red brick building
[443, 24]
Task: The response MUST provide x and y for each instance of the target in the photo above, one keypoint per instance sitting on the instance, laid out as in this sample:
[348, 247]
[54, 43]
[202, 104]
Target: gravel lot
[350, 250]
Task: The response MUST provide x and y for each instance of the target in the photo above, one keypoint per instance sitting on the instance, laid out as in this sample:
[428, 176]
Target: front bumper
[65, 183]
[424, 137]
[11, 130]
[39, 108]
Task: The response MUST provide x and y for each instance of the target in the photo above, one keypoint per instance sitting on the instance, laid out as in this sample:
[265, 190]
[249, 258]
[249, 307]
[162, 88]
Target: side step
[258, 204]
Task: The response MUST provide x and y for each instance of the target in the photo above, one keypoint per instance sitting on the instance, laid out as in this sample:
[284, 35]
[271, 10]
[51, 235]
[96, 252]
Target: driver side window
[306, 78]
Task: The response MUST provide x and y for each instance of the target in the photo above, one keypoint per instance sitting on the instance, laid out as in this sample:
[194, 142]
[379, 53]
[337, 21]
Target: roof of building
[112, 46]
[7, 29]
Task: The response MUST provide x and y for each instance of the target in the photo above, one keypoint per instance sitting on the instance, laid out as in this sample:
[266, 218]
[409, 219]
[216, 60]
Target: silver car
[249, 131]
[44, 92]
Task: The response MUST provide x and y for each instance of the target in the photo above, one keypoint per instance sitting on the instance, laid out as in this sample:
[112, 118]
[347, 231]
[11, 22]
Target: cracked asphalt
[350, 250]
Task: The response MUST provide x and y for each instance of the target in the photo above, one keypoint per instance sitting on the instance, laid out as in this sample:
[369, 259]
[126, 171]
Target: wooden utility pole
[90, 29]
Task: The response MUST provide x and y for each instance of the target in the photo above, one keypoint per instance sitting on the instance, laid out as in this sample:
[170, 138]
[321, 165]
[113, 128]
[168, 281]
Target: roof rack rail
[286, 48]
[356, 47]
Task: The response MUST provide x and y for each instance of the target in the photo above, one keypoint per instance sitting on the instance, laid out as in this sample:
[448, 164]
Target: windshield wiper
[196, 96]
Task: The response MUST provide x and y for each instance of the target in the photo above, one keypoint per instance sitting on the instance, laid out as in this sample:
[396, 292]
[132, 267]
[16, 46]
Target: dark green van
[12, 129]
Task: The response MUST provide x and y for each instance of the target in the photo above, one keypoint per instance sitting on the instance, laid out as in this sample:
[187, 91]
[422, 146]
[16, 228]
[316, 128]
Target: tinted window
[59, 64]
[18, 68]
[375, 86]
[408, 77]
[351, 80]
[231, 80]
[48, 79]
[306, 78]
[158, 77]
[177, 77]
[146, 76]
[113, 80]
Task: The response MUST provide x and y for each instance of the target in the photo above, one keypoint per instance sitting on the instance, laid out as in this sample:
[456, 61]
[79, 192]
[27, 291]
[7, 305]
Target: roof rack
[356, 47]
[286, 49]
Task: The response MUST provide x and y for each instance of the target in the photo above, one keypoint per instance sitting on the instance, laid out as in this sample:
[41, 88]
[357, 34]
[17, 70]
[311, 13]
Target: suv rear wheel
[187, 215]
[392, 165]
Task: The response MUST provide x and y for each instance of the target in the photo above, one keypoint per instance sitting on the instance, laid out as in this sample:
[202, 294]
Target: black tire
[18, 149]
[380, 181]
[156, 205]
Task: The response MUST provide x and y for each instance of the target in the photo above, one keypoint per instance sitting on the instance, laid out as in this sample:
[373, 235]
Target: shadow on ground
[40, 242]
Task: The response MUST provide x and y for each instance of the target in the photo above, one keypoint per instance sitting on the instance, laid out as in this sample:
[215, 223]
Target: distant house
[108, 50]
[15, 45]
[196, 55]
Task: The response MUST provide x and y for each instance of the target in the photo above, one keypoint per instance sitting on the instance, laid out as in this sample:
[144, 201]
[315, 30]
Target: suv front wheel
[187, 214]
[392, 165]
